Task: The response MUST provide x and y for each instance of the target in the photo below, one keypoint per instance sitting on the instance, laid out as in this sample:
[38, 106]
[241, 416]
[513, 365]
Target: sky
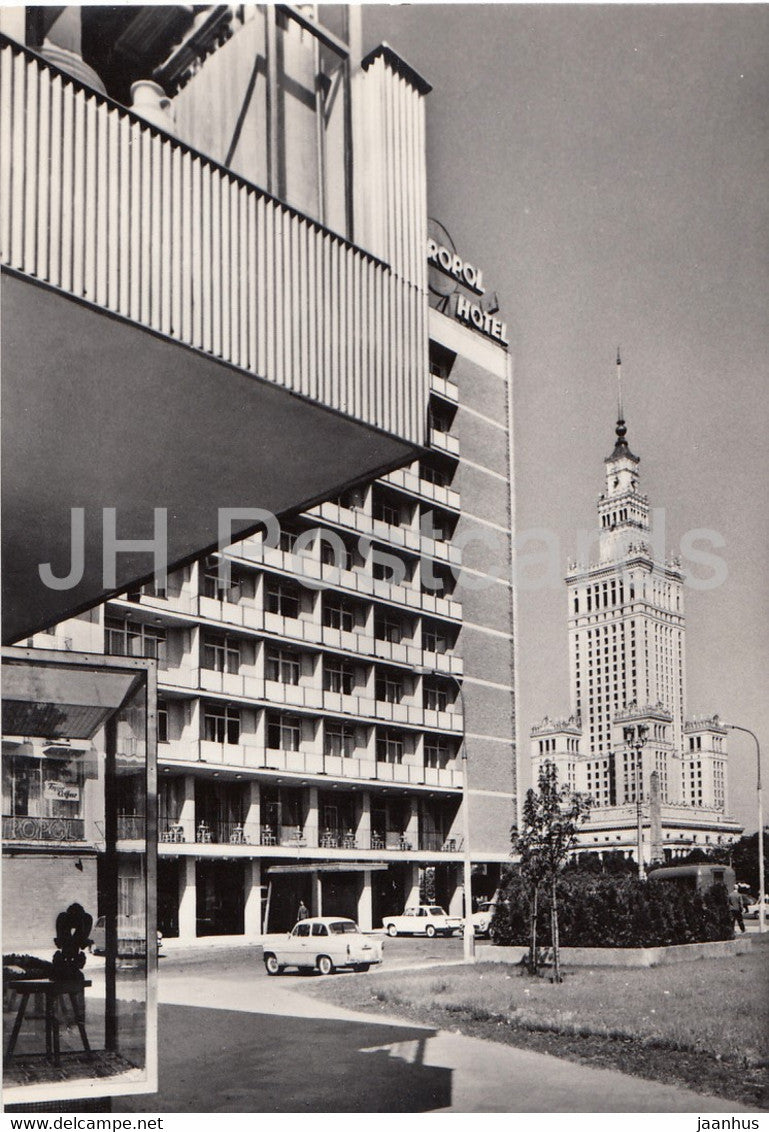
[606, 166]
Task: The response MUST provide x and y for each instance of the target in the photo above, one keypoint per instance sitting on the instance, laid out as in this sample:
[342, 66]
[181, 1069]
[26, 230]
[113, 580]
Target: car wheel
[272, 965]
[392, 930]
[325, 966]
[430, 931]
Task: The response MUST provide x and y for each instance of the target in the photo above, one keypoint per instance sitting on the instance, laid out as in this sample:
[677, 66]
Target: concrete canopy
[99, 413]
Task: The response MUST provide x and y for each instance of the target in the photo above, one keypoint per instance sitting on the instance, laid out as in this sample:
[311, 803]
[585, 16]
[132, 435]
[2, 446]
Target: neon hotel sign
[449, 263]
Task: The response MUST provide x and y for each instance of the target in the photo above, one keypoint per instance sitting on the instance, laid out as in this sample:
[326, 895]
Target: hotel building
[627, 668]
[315, 680]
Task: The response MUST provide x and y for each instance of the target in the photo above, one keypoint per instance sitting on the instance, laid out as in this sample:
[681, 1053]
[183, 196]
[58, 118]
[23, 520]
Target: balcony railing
[103, 206]
[43, 829]
[437, 843]
[131, 827]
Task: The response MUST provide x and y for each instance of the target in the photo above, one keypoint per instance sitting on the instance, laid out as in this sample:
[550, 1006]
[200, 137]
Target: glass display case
[79, 863]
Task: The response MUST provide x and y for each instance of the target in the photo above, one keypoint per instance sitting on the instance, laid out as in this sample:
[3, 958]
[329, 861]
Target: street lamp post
[468, 932]
[747, 731]
[635, 740]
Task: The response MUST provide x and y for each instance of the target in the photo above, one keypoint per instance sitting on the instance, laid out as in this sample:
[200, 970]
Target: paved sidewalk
[234, 1044]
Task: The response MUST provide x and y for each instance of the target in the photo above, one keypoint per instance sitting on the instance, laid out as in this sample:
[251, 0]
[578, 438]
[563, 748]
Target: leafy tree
[745, 859]
[546, 838]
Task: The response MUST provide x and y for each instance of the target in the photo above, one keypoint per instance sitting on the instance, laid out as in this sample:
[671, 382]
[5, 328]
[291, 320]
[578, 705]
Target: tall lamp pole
[635, 740]
[747, 731]
[468, 931]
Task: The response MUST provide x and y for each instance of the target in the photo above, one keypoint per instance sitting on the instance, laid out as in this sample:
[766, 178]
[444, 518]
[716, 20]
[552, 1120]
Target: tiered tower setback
[626, 633]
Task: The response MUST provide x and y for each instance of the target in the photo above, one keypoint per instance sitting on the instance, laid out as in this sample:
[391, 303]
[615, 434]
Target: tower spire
[620, 445]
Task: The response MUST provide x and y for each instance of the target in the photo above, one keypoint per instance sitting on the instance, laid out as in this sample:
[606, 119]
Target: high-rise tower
[626, 661]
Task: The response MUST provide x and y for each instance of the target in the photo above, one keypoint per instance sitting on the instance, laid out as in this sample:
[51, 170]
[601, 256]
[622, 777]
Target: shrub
[614, 911]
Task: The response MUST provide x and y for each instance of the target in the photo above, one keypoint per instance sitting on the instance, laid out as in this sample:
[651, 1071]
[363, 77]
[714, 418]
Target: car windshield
[342, 927]
[436, 911]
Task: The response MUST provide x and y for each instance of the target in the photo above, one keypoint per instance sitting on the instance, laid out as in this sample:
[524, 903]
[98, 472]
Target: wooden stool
[53, 990]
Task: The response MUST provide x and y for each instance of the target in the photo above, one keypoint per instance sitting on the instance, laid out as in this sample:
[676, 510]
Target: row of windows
[222, 724]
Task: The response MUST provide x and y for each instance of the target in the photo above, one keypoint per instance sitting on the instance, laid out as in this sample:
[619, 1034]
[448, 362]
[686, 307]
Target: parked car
[130, 937]
[322, 943]
[482, 917]
[422, 919]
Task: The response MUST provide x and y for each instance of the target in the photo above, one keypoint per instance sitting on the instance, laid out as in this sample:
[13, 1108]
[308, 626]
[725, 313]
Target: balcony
[31, 829]
[205, 279]
[392, 841]
[444, 442]
[293, 695]
[243, 614]
[285, 836]
[230, 683]
[131, 827]
[437, 843]
[444, 388]
[441, 494]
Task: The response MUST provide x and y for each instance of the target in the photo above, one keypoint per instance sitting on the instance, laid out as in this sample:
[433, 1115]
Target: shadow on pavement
[227, 1061]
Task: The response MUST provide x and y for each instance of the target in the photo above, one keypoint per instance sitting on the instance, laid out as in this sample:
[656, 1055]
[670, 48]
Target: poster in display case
[79, 864]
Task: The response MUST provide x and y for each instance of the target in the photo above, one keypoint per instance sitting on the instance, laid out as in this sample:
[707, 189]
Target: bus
[700, 878]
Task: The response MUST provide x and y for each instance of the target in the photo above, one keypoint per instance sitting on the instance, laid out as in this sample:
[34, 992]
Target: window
[282, 665]
[437, 752]
[338, 677]
[221, 723]
[435, 475]
[435, 697]
[221, 653]
[311, 98]
[128, 638]
[282, 597]
[42, 787]
[284, 732]
[389, 747]
[301, 929]
[162, 721]
[337, 614]
[387, 627]
[389, 688]
[319, 929]
[339, 740]
[434, 638]
[331, 554]
[387, 511]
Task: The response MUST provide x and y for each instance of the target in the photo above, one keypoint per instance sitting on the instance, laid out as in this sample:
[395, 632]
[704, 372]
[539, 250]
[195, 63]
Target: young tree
[548, 834]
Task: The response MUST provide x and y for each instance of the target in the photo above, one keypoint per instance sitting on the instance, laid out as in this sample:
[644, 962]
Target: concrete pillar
[187, 812]
[253, 825]
[187, 900]
[365, 913]
[412, 886]
[252, 925]
[316, 896]
[311, 821]
[411, 833]
[363, 830]
[457, 899]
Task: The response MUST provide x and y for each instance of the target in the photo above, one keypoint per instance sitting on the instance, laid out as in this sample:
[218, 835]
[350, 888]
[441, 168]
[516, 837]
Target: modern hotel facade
[627, 665]
[317, 678]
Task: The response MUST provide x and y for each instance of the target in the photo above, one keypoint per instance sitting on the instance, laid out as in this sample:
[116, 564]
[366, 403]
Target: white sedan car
[422, 919]
[482, 918]
[322, 943]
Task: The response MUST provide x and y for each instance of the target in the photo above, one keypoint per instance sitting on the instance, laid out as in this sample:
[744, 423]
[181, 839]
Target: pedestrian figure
[735, 907]
[302, 914]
